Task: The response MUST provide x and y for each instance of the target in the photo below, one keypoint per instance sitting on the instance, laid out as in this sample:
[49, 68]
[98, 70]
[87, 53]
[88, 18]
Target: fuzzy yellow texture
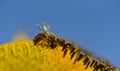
[25, 56]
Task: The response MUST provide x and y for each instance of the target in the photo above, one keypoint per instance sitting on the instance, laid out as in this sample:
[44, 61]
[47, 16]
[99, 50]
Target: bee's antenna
[45, 28]
[41, 28]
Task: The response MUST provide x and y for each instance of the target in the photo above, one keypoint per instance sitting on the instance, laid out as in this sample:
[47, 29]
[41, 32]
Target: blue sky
[94, 24]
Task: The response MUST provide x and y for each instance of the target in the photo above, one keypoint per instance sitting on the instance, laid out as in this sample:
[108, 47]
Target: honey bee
[53, 40]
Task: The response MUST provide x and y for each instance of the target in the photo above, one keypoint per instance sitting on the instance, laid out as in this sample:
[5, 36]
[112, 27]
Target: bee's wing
[47, 27]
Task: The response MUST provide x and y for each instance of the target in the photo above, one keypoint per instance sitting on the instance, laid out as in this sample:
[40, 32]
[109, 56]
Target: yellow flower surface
[25, 56]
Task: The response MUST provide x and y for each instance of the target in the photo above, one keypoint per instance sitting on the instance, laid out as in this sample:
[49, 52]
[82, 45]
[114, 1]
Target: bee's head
[45, 31]
[39, 37]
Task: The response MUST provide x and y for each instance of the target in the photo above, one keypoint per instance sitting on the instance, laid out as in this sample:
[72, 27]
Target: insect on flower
[46, 34]
[51, 40]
